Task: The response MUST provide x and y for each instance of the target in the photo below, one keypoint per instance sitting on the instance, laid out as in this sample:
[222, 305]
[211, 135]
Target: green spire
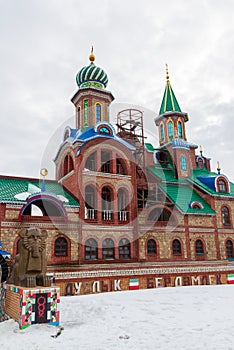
[169, 102]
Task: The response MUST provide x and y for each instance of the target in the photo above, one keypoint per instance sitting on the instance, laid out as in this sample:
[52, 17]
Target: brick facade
[137, 205]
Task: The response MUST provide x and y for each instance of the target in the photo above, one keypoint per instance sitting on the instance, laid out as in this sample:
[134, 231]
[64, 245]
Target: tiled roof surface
[183, 196]
[180, 191]
[11, 187]
[169, 102]
[165, 174]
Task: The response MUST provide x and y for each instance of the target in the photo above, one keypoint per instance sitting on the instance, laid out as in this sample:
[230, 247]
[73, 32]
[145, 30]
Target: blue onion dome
[92, 75]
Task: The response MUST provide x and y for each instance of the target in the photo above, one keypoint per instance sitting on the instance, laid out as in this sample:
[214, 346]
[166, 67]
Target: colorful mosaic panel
[39, 306]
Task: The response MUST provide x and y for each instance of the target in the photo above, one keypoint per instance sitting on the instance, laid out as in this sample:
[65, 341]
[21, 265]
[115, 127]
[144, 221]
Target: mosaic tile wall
[34, 305]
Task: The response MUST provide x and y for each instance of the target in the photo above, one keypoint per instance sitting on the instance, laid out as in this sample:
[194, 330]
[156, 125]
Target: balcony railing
[123, 215]
[107, 215]
[90, 214]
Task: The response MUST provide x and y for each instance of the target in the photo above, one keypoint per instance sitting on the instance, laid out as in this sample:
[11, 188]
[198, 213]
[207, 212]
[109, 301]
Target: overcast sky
[44, 43]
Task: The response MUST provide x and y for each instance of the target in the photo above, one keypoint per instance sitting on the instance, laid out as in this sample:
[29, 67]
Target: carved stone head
[29, 267]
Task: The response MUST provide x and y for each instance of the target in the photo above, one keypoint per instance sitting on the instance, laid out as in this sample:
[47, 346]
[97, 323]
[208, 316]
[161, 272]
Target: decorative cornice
[200, 229]
[84, 91]
[140, 272]
[109, 175]
[38, 224]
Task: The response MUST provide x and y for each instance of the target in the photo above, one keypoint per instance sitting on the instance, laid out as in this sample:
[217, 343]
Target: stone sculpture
[29, 267]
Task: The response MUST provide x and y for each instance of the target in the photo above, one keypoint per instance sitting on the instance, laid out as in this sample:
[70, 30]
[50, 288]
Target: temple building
[122, 214]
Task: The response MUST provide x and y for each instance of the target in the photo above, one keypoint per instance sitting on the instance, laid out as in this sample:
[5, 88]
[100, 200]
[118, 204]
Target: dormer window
[196, 205]
[222, 186]
[104, 129]
[200, 162]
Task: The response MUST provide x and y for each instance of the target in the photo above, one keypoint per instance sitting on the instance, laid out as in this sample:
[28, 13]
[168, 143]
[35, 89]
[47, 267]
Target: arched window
[108, 250]
[91, 249]
[78, 117]
[68, 164]
[120, 167]
[124, 249]
[61, 247]
[122, 205]
[229, 249]
[159, 214]
[104, 129]
[222, 186]
[90, 163]
[151, 247]
[107, 212]
[199, 247]
[65, 165]
[162, 157]
[226, 216]
[86, 112]
[170, 129]
[43, 206]
[176, 247]
[200, 163]
[179, 127]
[195, 205]
[98, 112]
[183, 163]
[161, 132]
[106, 162]
[90, 202]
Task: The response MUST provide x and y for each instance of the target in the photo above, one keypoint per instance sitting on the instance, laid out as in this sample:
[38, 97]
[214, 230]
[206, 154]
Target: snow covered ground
[199, 317]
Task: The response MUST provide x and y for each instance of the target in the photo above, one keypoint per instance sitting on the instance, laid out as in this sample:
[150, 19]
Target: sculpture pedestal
[29, 306]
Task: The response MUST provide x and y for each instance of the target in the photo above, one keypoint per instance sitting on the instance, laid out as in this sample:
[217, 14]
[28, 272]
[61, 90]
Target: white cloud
[45, 43]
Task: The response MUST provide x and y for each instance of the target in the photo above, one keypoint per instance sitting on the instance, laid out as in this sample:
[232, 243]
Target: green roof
[183, 196]
[17, 189]
[169, 102]
[91, 74]
[179, 191]
[165, 174]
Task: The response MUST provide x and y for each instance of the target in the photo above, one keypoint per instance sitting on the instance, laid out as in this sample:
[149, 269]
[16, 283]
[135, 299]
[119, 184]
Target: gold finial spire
[44, 173]
[218, 167]
[167, 74]
[91, 56]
